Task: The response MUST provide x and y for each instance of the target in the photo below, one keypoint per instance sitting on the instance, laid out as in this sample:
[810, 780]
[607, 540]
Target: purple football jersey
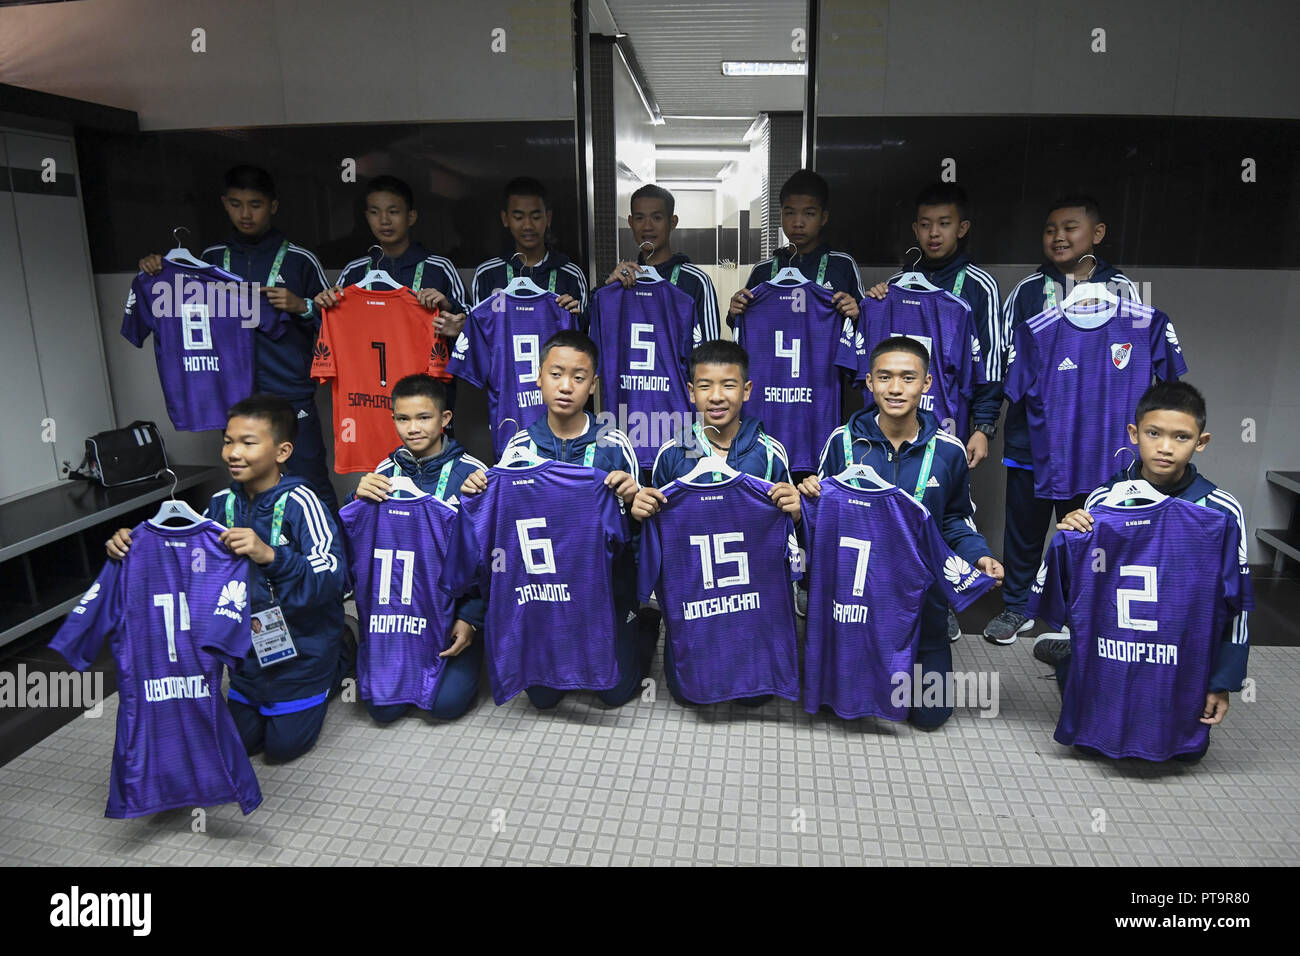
[720, 555]
[1081, 376]
[397, 549]
[872, 556]
[202, 320]
[500, 350]
[645, 335]
[1144, 623]
[541, 542]
[174, 611]
[940, 321]
[791, 333]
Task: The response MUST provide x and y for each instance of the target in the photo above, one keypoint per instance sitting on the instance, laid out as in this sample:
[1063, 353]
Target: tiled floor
[653, 783]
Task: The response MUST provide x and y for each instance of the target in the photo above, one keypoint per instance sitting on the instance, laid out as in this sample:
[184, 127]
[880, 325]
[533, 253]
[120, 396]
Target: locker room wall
[1163, 58]
[292, 62]
[51, 366]
[1182, 94]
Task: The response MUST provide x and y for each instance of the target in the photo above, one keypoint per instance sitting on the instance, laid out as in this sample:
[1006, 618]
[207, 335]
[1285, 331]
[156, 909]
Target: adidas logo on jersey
[933, 482]
[1066, 365]
[955, 569]
[302, 413]
[826, 285]
[234, 592]
[283, 540]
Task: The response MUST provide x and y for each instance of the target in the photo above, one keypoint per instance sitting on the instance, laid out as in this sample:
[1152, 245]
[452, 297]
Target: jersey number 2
[1125, 596]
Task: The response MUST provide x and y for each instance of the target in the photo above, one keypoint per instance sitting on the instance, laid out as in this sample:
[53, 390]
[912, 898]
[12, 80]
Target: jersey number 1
[382, 348]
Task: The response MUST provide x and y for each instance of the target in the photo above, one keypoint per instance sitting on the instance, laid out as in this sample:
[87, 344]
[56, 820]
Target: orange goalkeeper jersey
[372, 338]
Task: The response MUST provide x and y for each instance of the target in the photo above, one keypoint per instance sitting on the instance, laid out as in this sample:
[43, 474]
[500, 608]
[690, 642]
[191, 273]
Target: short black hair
[1091, 208]
[944, 194]
[524, 186]
[720, 352]
[272, 409]
[250, 177]
[572, 339]
[651, 191]
[1172, 397]
[805, 182]
[391, 184]
[901, 343]
[421, 385]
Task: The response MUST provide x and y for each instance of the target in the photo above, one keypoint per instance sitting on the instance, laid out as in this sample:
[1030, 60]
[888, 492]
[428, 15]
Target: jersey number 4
[791, 352]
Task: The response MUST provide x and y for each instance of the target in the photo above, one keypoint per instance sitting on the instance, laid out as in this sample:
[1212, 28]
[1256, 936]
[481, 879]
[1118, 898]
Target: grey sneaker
[954, 629]
[1052, 649]
[800, 601]
[1004, 628]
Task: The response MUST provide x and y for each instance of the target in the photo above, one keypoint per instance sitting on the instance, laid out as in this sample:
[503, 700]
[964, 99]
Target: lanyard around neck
[275, 266]
[277, 516]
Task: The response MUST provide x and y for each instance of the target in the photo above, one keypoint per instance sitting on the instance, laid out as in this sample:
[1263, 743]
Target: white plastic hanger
[523, 284]
[788, 274]
[913, 279]
[861, 472]
[711, 464]
[376, 274]
[1087, 290]
[175, 510]
[521, 454]
[405, 484]
[1137, 489]
[182, 255]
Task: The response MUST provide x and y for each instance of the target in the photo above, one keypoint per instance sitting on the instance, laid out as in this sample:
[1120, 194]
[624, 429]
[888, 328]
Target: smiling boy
[905, 445]
[278, 523]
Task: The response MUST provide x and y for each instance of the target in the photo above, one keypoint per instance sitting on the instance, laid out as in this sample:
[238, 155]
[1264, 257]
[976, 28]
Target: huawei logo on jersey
[462, 344]
[955, 568]
[438, 355]
[321, 351]
[1040, 581]
[233, 592]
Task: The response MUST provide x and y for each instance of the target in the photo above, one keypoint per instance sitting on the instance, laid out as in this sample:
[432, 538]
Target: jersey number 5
[645, 345]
